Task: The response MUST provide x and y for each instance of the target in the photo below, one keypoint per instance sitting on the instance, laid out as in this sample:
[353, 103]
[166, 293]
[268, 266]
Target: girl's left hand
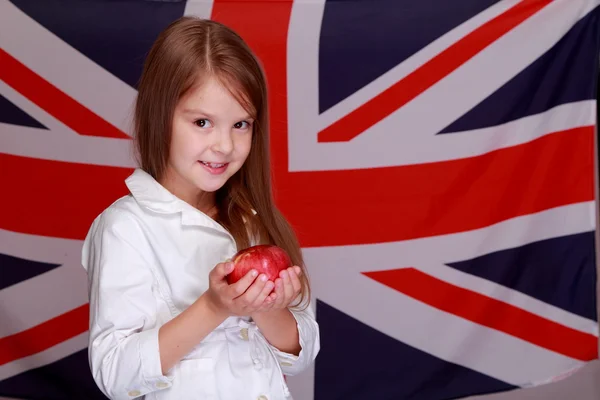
[287, 288]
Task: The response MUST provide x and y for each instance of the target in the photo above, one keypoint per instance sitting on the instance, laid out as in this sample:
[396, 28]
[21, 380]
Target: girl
[164, 323]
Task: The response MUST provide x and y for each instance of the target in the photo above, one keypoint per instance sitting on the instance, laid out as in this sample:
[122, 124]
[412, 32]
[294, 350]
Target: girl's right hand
[246, 296]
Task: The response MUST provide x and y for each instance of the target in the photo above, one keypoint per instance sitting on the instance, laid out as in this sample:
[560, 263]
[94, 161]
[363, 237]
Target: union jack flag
[436, 159]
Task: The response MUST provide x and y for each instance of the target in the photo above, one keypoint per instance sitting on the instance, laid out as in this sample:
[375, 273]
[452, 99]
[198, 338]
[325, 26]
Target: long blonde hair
[190, 48]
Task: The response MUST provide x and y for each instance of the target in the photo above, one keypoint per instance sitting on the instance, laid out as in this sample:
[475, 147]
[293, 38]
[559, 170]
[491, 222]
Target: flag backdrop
[435, 157]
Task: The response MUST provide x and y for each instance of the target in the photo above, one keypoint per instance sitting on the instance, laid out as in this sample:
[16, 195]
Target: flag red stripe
[267, 37]
[53, 198]
[44, 336]
[429, 73]
[330, 208]
[54, 101]
[63, 215]
[490, 312]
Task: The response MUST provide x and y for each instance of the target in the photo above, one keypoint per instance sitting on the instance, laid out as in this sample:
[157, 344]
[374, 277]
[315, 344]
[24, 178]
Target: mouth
[214, 168]
[213, 165]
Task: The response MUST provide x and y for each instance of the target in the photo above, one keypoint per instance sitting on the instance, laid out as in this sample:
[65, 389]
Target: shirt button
[134, 393]
[244, 333]
[162, 385]
[262, 397]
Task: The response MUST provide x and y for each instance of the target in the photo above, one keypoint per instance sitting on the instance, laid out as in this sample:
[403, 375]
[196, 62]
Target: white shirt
[148, 256]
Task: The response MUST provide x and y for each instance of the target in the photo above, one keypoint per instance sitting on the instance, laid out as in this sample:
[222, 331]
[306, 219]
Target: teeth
[213, 165]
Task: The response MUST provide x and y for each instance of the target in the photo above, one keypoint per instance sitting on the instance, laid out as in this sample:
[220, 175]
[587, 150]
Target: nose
[222, 141]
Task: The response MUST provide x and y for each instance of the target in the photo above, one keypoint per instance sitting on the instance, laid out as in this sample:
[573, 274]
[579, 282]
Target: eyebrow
[209, 115]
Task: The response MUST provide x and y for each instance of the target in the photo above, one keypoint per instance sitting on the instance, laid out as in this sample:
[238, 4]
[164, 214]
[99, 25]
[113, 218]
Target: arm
[130, 352]
[280, 329]
[124, 345]
[180, 335]
[293, 334]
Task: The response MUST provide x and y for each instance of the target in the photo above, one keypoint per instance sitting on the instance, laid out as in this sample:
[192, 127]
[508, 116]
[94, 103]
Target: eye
[242, 125]
[202, 123]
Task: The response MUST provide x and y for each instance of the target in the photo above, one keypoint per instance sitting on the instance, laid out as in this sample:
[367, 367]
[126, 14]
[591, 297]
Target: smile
[213, 165]
[214, 168]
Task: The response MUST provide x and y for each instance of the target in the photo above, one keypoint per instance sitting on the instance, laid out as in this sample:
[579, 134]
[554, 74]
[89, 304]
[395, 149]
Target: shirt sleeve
[123, 344]
[310, 344]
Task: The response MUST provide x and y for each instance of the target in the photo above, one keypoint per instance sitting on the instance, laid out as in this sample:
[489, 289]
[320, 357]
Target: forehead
[213, 97]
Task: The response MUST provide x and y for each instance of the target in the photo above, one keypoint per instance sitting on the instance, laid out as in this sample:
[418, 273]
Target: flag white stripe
[54, 146]
[452, 146]
[42, 298]
[510, 296]
[33, 110]
[418, 121]
[57, 291]
[59, 142]
[418, 325]
[40, 248]
[303, 76]
[413, 63]
[48, 356]
[480, 76]
[46, 54]
[325, 262]
[199, 8]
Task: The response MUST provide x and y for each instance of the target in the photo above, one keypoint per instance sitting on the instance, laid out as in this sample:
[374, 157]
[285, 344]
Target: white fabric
[148, 256]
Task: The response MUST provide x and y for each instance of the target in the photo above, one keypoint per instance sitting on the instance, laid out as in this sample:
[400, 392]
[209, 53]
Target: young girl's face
[211, 139]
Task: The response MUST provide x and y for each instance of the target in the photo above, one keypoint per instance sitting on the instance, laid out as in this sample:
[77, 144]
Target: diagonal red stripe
[490, 312]
[45, 335]
[52, 100]
[430, 73]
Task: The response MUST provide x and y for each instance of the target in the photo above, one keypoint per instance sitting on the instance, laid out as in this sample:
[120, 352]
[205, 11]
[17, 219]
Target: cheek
[183, 144]
[243, 145]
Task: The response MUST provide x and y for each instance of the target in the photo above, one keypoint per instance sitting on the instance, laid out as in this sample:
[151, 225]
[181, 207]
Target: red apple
[266, 259]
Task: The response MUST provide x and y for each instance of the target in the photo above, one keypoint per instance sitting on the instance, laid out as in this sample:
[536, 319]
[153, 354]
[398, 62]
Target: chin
[210, 187]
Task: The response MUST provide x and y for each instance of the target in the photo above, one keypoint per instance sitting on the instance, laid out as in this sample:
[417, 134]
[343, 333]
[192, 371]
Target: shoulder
[121, 221]
[124, 213]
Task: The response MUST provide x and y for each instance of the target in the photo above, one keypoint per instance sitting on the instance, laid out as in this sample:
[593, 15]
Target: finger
[219, 272]
[279, 294]
[254, 291]
[272, 297]
[271, 300]
[287, 286]
[263, 295]
[268, 304]
[239, 288]
[295, 279]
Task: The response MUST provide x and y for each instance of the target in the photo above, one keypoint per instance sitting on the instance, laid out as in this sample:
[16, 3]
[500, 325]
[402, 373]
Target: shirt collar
[150, 194]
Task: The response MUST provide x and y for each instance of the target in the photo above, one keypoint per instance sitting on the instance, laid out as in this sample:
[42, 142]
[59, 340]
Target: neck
[206, 202]
[203, 201]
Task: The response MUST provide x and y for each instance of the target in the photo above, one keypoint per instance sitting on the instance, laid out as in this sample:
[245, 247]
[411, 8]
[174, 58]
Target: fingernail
[298, 270]
[263, 278]
[254, 273]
